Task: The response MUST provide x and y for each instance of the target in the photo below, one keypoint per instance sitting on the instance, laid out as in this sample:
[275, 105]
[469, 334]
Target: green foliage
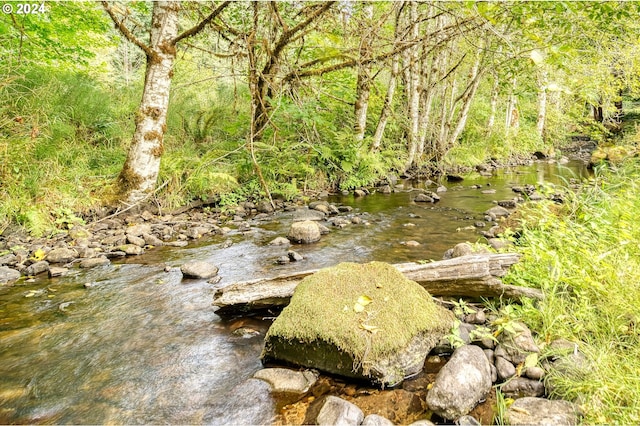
[585, 257]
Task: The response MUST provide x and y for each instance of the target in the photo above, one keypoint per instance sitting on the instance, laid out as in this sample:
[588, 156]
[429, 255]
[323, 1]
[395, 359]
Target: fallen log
[476, 275]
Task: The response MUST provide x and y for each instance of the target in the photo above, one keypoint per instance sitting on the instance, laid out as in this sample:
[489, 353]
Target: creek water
[141, 345]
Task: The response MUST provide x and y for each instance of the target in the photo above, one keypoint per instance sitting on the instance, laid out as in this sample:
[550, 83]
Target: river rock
[376, 420]
[279, 241]
[8, 275]
[337, 411]
[504, 368]
[138, 230]
[37, 268]
[137, 241]
[114, 240]
[497, 212]
[461, 383]
[517, 343]
[8, 259]
[264, 207]
[294, 256]
[467, 421]
[364, 321]
[285, 380]
[199, 269]
[61, 255]
[131, 249]
[519, 387]
[462, 249]
[301, 215]
[55, 271]
[79, 233]
[423, 198]
[152, 240]
[540, 411]
[304, 232]
[93, 262]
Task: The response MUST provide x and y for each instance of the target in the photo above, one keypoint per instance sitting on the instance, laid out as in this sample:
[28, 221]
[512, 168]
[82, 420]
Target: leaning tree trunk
[140, 172]
[413, 93]
[363, 86]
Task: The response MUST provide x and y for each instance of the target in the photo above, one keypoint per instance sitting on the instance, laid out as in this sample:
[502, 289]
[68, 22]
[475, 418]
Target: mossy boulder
[364, 321]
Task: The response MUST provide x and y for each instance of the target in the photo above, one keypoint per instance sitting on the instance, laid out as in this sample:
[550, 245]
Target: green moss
[322, 309]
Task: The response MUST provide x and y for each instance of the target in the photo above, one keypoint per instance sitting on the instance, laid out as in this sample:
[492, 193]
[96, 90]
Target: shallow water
[143, 346]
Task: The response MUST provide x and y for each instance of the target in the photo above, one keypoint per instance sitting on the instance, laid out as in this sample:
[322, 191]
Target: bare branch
[196, 29]
[126, 32]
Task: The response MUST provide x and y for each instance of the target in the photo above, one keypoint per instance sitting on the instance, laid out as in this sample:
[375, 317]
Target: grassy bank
[585, 256]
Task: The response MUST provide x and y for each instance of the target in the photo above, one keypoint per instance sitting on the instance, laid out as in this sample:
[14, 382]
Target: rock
[359, 193]
[131, 249]
[498, 243]
[93, 262]
[519, 387]
[385, 189]
[467, 421]
[136, 241]
[282, 260]
[8, 275]
[79, 233]
[8, 259]
[423, 198]
[488, 191]
[345, 209]
[497, 212]
[198, 269]
[534, 373]
[454, 178]
[364, 321]
[412, 243]
[279, 241]
[441, 188]
[478, 317]
[462, 249]
[337, 411]
[196, 232]
[304, 232]
[152, 240]
[285, 380]
[138, 230]
[255, 406]
[461, 383]
[57, 272]
[61, 255]
[422, 423]
[508, 204]
[519, 344]
[177, 243]
[114, 240]
[504, 368]
[294, 256]
[264, 207]
[540, 411]
[376, 420]
[37, 268]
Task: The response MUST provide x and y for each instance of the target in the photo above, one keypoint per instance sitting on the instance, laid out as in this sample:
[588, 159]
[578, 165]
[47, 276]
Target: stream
[141, 345]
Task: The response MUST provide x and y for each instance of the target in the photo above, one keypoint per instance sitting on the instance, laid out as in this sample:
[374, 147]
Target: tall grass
[585, 256]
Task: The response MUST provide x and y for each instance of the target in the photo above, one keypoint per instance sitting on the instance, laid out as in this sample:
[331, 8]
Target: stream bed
[142, 345]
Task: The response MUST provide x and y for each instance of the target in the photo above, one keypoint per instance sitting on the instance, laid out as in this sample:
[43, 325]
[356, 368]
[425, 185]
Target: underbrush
[585, 256]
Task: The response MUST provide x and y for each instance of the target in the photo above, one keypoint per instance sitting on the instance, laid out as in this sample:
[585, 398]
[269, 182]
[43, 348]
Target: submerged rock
[361, 321]
[285, 380]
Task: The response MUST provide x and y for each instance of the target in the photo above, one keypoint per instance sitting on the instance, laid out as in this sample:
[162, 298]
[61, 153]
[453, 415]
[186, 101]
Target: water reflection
[142, 346]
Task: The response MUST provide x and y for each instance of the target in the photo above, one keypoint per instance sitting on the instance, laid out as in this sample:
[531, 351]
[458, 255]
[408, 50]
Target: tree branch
[126, 32]
[196, 29]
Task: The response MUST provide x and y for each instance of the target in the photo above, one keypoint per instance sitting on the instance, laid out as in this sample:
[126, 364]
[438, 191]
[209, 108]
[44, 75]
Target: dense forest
[115, 102]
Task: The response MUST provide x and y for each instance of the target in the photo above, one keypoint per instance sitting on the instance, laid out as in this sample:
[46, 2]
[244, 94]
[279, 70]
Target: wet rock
[461, 384]
[497, 212]
[294, 256]
[283, 260]
[8, 259]
[304, 232]
[197, 232]
[462, 249]
[285, 380]
[337, 411]
[279, 241]
[7, 275]
[441, 188]
[540, 411]
[177, 243]
[138, 230]
[385, 189]
[356, 220]
[340, 222]
[37, 268]
[131, 249]
[199, 269]
[328, 325]
[412, 243]
[85, 252]
[359, 193]
[376, 420]
[504, 368]
[137, 241]
[93, 262]
[114, 254]
[264, 207]
[345, 209]
[300, 215]
[519, 387]
[454, 178]
[61, 255]
[423, 198]
[488, 191]
[508, 204]
[55, 271]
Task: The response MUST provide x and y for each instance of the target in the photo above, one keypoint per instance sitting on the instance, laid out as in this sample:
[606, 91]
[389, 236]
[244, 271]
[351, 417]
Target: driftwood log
[476, 275]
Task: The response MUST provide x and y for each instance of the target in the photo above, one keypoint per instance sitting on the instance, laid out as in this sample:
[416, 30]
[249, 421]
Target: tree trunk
[413, 92]
[542, 104]
[467, 99]
[386, 107]
[512, 118]
[494, 102]
[140, 172]
[466, 276]
[363, 86]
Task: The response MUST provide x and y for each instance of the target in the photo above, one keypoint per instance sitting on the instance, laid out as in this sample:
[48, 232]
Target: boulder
[540, 411]
[61, 255]
[337, 411]
[57, 272]
[285, 380]
[37, 268]
[497, 211]
[304, 232]
[198, 269]
[364, 321]
[152, 240]
[279, 241]
[8, 275]
[376, 420]
[463, 382]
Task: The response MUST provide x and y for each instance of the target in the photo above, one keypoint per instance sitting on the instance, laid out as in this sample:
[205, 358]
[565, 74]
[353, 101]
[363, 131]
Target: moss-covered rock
[358, 320]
